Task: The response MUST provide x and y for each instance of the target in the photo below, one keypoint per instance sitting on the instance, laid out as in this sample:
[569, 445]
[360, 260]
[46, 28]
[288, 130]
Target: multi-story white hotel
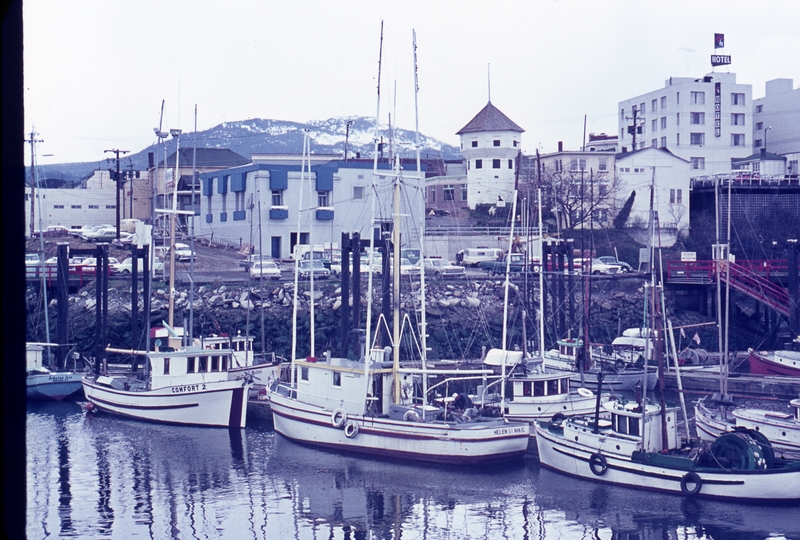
[707, 121]
[490, 145]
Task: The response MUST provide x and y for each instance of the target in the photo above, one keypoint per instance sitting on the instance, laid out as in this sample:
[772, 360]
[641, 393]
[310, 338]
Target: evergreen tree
[624, 214]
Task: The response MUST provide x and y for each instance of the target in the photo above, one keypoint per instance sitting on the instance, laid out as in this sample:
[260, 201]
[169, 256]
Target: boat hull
[626, 381]
[710, 423]
[782, 432]
[775, 363]
[55, 385]
[468, 443]
[213, 404]
[572, 458]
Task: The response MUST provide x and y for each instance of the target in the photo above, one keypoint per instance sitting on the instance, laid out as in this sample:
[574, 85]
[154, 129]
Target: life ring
[411, 416]
[338, 418]
[691, 478]
[598, 464]
[585, 392]
[350, 429]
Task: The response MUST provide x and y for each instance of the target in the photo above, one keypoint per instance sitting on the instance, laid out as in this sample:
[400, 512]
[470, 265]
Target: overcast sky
[97, 71]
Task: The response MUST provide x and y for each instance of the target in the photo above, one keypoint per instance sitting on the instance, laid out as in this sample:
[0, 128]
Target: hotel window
[479, 164]
[663, 102]
[757, 143]
[603, 164]
[697, 163]
[358, 192]
[496, 142]
[663, 142]
[654, 143]
[677, 139]
[698, 98]
[622, 115]
[679, 196]
[92, 206]
[737, 119]
[62, 206]
[697, 139]
[464, 192]
[737, 139]
[76, 207]
[654, 125]
[678, 98]
[449, 192]
[653, 105]
[277, 197]
[672, 196]
[759, 108]
[678, 119]
[697, 118]
[663, 122]
[322, 198]
[737, 99]
[433, 194]
[577, 165]
[641, 108]
[495, 164]
[474, 144]
[759, 126]
[516, 143]
[510, 163]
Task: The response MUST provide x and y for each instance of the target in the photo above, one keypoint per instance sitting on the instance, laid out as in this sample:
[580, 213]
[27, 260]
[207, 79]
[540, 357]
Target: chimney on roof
[560, 146]
[150, 160]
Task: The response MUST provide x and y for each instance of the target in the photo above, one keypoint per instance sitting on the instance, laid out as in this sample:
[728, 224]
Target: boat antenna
[541, 277]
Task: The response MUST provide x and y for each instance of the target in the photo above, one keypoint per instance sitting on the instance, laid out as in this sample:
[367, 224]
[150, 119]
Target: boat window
[552, 387]
[203, 364]
[304, 374]
[166, 366]
[191, 365]
[633, 424]
[526, 388]
[224, 363]
[538, 388]
[215, 363]
[337, 378]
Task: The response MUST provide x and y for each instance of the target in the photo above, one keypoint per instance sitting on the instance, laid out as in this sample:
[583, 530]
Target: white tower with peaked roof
[490, 145]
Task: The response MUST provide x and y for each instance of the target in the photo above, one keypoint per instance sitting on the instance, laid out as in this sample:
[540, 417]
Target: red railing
[80, 275]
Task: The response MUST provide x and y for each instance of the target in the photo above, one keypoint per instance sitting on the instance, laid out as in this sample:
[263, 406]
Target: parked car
[624, 267]
[32, 259]
[53, 231]
[124, 241]
[248, 262]
[442, 268]
[265, 269]
[336, 267]
[88, 233]
[183, 252]
[318, 256]
[596, 267]
[126, 266]
[89, 265]
[319, 270]
[407, 268]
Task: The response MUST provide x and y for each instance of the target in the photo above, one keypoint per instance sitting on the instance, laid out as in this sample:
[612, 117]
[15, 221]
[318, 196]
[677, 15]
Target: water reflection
[104, 477]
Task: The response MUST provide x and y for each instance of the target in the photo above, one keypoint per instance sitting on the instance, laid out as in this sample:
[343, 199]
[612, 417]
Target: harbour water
[97, 476]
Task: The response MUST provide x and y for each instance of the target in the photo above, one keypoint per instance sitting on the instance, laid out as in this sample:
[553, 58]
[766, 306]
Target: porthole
[783, 434]
[576, 438]
[617, 447]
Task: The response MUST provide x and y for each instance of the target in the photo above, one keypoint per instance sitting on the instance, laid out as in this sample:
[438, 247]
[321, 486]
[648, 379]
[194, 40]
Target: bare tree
[581, 197]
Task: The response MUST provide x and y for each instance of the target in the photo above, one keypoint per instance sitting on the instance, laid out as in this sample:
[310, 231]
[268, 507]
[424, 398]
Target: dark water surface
[97, 476]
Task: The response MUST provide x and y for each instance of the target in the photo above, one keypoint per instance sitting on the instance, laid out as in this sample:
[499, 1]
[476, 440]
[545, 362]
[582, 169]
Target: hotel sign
[717, 109]
[720, 59]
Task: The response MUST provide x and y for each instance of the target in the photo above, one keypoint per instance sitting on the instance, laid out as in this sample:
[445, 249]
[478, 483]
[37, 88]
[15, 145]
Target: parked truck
[517, 265]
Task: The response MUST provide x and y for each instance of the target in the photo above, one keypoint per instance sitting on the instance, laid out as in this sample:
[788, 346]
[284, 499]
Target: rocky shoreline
[462, 316]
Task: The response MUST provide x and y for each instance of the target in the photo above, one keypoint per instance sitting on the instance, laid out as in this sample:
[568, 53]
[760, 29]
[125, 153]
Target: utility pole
[636, 127]
[117, 178]
[33, 140]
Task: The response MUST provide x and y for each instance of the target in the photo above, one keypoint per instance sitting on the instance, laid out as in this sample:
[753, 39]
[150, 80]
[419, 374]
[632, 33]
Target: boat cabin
[629, 423]
[194, 365]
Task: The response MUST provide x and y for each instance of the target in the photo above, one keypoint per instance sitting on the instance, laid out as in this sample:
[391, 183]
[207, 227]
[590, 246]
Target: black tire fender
[598, 464]
[691, 478]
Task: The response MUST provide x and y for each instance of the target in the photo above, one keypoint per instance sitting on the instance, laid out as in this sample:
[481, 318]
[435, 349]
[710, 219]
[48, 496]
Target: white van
[128, 225]
[474, 256]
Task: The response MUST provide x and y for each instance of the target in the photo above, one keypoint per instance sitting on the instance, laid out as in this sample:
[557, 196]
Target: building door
[304, 239]
[276, 247]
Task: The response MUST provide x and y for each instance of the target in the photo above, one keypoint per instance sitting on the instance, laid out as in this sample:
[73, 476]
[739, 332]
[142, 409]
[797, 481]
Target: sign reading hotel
[717, 109]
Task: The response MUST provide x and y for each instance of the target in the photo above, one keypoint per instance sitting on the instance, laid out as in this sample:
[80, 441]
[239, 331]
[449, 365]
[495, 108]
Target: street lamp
[765, 138]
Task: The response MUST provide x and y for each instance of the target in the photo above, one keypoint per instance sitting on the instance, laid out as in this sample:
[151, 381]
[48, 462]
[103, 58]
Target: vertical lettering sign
[717, 109]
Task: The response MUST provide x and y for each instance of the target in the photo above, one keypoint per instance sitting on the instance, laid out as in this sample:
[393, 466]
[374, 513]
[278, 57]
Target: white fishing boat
[622, 376]
[195, 384]
[630, 449]
[44, 383]
[781, 428]
[371, 405]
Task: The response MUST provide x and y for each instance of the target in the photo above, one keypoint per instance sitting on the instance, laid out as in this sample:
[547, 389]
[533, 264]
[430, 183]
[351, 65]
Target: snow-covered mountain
[265, 136]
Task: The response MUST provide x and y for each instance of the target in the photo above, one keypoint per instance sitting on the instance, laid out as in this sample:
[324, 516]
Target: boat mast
[307, 160]
[505, 298]
[374, 194]
[297, 271]
[171, 313]
[191, 261]
[423, 325]
[35, 180]
[396, 282]
[541, 278]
